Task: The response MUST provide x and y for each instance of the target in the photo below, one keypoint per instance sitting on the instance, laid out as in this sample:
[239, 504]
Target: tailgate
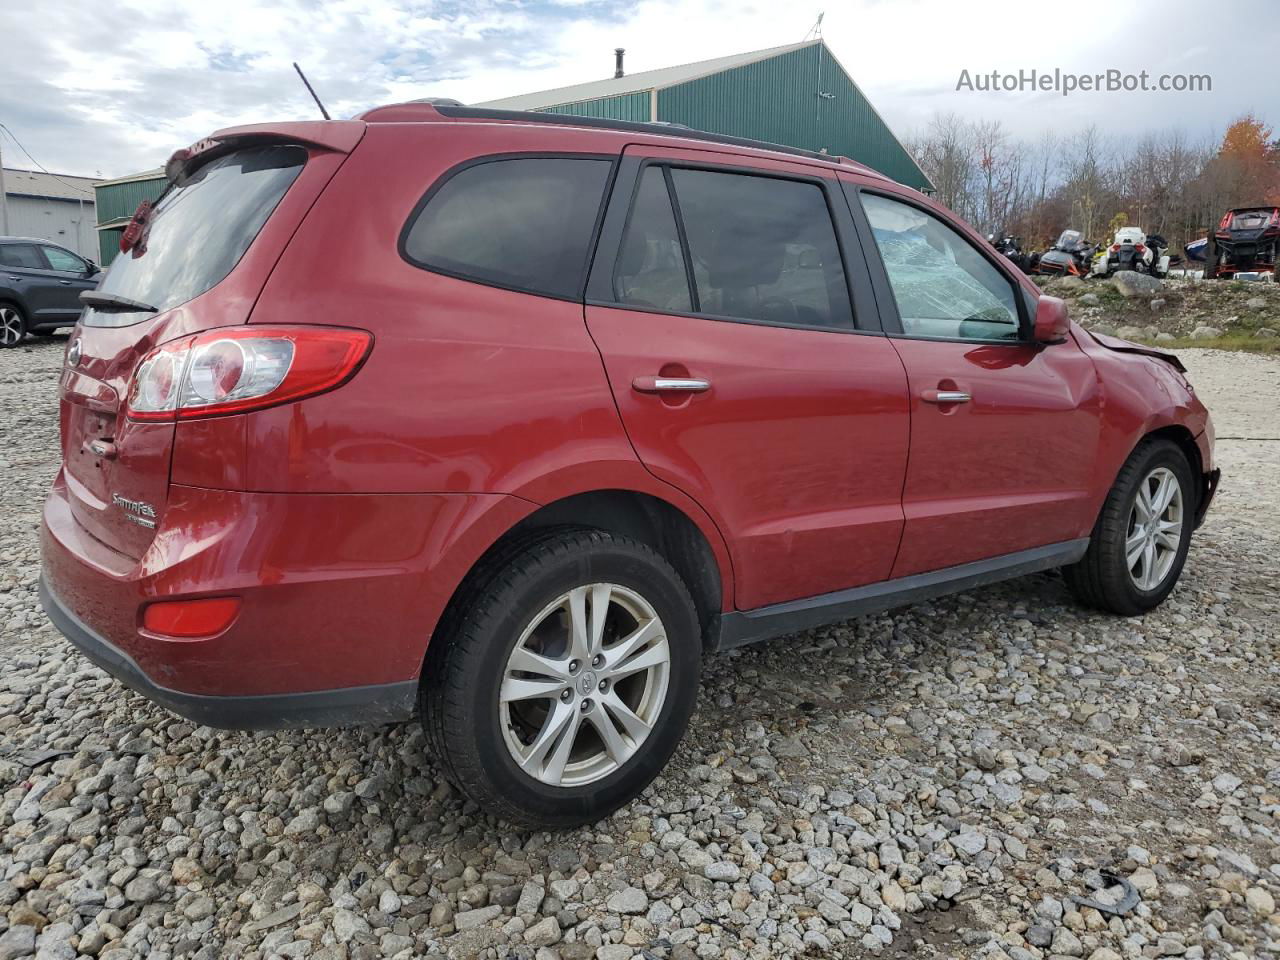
[117, 471]
[201, 258]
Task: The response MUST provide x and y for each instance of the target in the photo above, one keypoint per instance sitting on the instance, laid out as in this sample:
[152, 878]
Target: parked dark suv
[40, 285]
[509, 418]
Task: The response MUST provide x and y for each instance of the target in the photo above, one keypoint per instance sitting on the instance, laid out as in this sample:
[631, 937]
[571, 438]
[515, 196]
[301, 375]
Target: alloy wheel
[584, 685]
[10, 327]
[1155, 529]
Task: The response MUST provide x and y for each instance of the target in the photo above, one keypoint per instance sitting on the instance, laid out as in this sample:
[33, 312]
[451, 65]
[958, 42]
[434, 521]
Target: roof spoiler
[339, 136]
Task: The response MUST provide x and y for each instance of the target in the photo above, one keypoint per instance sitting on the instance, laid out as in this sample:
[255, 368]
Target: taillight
[1225, 222]
[1141, 248]
[1115, 248]
[1275, 219]
[243, 368]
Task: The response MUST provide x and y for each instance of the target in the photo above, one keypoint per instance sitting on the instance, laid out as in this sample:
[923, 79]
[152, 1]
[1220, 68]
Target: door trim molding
[739, 628]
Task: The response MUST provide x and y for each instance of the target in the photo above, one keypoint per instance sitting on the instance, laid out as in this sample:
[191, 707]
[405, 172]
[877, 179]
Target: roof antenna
[323, 112]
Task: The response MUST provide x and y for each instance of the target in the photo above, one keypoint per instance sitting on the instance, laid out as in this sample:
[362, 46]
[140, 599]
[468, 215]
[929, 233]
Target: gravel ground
[939, 782]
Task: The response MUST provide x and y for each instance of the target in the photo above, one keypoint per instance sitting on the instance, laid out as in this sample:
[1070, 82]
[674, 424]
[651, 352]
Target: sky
[112, 89]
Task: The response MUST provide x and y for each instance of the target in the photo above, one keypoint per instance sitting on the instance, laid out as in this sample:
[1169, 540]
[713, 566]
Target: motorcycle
[1134, 250]
[1010, 247]
[1069, 257]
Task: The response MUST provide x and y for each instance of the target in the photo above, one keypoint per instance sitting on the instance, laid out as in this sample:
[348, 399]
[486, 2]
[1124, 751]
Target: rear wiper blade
[115, 303]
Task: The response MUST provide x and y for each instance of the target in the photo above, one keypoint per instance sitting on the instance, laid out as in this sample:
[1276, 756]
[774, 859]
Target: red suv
[510, 418]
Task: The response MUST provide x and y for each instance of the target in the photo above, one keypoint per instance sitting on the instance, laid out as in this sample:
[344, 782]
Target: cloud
[116, 93]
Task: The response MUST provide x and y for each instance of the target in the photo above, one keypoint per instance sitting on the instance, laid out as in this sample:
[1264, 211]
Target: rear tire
[13, 326]
[1138, 547]
[530, 727]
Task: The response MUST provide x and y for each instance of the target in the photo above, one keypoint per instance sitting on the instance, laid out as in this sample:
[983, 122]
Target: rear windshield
[1249, 219]
[200, 231]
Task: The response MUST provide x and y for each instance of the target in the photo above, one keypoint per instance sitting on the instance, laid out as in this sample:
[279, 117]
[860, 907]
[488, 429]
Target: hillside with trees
[1162, 181]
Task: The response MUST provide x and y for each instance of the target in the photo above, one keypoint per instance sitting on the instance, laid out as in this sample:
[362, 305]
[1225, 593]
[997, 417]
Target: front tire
[563, 678]
[1139, 543]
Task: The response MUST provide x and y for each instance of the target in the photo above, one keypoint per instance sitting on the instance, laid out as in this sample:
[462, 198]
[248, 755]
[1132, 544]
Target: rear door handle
[65, 283]
[945, 396]
[670, 385]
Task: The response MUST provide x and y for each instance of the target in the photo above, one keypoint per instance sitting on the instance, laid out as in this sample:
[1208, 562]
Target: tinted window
[943, 285]
[60, 259]
[21, 255]
[523, 223]
[200, 230]
[650, 271]
[762, 249]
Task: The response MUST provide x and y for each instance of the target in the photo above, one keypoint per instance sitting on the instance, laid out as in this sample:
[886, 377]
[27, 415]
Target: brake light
[186, 619]
[1141, 248]
[1225, 222]
[1115, 248]
[241, 369]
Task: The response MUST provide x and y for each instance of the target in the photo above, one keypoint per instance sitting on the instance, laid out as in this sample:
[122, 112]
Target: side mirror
[1052, 323]
[91, 269]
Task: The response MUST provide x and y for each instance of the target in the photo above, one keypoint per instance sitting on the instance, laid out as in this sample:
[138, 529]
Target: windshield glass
[1069, 240]
[199, 231]
[1249, 219]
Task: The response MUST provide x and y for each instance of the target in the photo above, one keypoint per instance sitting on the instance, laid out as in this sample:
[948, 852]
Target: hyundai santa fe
[508, 419]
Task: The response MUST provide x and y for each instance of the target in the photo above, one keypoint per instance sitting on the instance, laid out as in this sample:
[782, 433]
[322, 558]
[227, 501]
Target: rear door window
[525, 223]
[200, 230]
[22, 255]
[763, 249]
[650, 271]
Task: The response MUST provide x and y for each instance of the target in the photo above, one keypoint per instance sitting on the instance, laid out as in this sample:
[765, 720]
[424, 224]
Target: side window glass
[650, 270]
[523, 223]
[21, 255]
[762, 249]
[60, 259]
[943, 286]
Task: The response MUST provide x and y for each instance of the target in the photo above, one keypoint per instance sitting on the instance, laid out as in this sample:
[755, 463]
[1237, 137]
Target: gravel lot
[940, 782]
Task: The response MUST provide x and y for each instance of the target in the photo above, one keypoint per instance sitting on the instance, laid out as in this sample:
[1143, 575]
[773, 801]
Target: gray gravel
[939, 782]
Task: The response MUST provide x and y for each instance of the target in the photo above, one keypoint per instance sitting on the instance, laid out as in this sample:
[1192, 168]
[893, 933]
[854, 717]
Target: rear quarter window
[523, 223]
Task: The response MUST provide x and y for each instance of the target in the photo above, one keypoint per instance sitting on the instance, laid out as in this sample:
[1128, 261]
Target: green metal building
[115, 201]
[798, 95]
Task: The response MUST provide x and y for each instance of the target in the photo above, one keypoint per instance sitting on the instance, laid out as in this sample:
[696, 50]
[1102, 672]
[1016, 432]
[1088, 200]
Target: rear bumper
[348, 706]
[339, 597]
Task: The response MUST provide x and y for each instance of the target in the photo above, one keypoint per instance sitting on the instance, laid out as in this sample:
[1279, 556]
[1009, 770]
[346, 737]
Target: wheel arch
[654, 522]
[701, 561]
[1172, 430]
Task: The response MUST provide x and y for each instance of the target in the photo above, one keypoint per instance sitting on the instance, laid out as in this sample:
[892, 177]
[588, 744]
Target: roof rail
[660, 128]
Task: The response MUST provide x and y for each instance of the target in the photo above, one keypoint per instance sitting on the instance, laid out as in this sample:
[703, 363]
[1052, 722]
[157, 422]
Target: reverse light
[235, 370]
[186, 619]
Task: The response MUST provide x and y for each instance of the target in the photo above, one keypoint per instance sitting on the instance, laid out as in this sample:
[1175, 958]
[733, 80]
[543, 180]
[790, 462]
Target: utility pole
[4, 202]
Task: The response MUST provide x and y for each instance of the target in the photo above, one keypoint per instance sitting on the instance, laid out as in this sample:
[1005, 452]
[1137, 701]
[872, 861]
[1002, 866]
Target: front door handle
[945, 396]
[65, 283]
[670, 385]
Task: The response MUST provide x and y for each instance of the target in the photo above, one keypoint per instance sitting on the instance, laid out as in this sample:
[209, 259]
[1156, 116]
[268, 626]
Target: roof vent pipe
[617, 61]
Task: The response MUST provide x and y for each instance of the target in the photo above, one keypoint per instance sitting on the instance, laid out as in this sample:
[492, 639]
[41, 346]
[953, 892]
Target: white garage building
[51, 207]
